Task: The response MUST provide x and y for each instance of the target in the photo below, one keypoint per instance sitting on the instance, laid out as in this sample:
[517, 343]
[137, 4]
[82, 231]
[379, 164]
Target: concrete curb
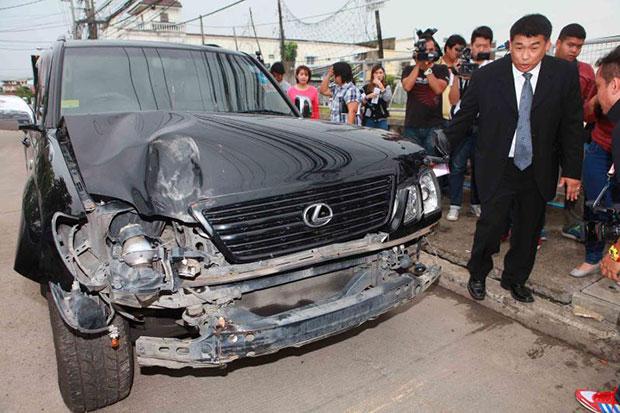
[555, 319]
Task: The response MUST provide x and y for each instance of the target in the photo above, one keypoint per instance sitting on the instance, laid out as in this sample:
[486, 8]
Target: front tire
[91, 374]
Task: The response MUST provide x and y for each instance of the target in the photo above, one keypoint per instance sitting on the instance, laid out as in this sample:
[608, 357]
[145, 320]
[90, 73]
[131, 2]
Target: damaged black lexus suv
[178, 207]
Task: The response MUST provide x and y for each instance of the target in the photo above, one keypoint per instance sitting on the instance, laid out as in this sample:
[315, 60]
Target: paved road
[439, 354]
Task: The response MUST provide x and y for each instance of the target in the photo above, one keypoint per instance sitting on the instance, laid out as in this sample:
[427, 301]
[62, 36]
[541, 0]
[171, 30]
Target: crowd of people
[526, 124]
[434, 89]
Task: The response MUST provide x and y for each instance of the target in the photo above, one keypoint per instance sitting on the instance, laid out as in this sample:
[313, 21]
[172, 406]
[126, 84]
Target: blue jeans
[596, 163]
[423, 137]
[458, 167]
[379, 123]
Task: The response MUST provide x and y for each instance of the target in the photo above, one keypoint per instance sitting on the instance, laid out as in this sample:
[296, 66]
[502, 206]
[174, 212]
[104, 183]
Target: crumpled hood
[162, 162]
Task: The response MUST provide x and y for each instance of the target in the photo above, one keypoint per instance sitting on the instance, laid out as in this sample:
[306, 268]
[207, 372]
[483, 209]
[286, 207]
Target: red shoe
[598, 402]
[540, 242]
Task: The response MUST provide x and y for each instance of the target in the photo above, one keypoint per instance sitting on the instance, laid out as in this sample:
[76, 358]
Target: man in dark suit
[530, 122]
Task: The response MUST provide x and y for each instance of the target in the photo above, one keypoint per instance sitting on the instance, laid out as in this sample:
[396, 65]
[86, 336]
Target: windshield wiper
[264, 112]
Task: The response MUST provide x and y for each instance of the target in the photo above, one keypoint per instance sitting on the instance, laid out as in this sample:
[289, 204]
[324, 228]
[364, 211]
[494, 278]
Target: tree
[288, 60]
[24, 92]
[290, 52]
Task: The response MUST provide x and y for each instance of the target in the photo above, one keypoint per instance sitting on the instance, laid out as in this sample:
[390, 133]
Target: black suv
[176, 200]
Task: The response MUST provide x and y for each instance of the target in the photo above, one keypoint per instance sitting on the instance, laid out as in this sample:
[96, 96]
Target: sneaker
[601, 401]
[543, 235]
[574, 232]
[453, 214]
[475, 210]
[539, 243]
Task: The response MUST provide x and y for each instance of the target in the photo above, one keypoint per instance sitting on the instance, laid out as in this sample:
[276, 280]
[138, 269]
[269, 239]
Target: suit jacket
[556, 123]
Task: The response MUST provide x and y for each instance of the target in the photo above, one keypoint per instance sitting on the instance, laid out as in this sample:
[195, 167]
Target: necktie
[523, 144]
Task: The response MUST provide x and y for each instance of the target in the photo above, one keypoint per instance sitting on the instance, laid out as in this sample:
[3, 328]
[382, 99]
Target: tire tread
[91, 374]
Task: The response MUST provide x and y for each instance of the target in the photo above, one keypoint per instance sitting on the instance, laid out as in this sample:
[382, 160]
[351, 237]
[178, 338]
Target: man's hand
[424, 64]
[573, 186]
[610, 268]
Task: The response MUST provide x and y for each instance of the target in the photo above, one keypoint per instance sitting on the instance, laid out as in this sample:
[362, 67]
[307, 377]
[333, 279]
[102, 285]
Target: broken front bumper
[256, 335]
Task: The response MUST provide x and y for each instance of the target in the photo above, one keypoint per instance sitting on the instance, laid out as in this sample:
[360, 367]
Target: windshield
[131, 79]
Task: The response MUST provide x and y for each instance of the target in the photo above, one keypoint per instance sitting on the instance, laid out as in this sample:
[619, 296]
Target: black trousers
[518, 194]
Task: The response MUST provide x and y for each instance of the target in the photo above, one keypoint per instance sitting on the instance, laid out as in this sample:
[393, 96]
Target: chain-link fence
[594, 49]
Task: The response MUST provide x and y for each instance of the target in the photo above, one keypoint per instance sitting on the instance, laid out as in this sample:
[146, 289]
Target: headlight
[413, 208]
[429, 188]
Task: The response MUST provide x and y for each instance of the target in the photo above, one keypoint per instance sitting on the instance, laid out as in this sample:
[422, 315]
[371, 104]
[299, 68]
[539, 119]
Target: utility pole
[92, 24]
[254, 29]
[75, 26]
[281, 31]
[379, 36]
[202, 31]
[235, 36]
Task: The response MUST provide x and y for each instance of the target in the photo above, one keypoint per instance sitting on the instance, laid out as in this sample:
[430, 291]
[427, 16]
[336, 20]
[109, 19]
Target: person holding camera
[530, 116]
[424, 83]
[479, 56]
[608, 96]
[345, 97]
[376, 99]
[452, 51]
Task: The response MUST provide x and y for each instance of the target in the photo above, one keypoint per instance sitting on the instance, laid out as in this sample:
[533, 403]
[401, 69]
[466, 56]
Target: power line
[21, 17]
[213, 12]
[290, 20]
[136, 18]
[24, 41]
[12, 49]
[20, 5]
[55, 26]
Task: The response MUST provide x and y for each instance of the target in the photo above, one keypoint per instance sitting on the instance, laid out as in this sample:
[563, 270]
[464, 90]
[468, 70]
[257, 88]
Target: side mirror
[30, 126]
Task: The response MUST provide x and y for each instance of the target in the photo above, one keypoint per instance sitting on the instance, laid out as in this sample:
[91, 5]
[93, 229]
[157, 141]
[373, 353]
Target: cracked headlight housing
[429, 192]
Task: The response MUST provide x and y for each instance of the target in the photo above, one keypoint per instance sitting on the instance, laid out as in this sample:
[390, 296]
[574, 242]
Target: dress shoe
[477, 289]
[519, 292]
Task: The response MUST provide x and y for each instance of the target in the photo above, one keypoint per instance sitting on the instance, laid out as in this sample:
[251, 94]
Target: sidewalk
[584, 312]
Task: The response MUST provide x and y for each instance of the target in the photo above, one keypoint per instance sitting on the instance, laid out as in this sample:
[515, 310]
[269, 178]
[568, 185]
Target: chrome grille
[274, 226]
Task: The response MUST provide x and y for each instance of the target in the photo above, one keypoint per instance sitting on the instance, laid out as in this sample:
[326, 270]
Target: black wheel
[91, 374]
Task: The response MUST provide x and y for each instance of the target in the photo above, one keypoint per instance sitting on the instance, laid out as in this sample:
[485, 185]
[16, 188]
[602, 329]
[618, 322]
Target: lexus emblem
[317, 215]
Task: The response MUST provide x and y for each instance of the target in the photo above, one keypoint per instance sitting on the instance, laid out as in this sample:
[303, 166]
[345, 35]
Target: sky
[23, 29]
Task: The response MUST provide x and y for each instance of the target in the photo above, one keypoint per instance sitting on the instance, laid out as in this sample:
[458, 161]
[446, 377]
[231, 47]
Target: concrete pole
[379, 36]
[202, 31]
[235, 36]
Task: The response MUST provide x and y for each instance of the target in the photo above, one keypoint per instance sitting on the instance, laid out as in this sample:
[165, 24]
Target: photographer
[424, 83]
[481, 43]
[452, 52]
[608, 94]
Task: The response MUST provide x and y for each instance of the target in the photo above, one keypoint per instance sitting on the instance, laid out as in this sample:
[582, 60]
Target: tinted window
[127, 79]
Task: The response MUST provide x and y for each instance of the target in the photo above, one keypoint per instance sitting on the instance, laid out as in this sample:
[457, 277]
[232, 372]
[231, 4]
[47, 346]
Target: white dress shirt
[519, 82]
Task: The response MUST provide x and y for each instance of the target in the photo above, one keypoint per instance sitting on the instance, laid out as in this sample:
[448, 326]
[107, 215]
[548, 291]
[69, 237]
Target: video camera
[419, 47]
[608, 227]
[468, 65]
